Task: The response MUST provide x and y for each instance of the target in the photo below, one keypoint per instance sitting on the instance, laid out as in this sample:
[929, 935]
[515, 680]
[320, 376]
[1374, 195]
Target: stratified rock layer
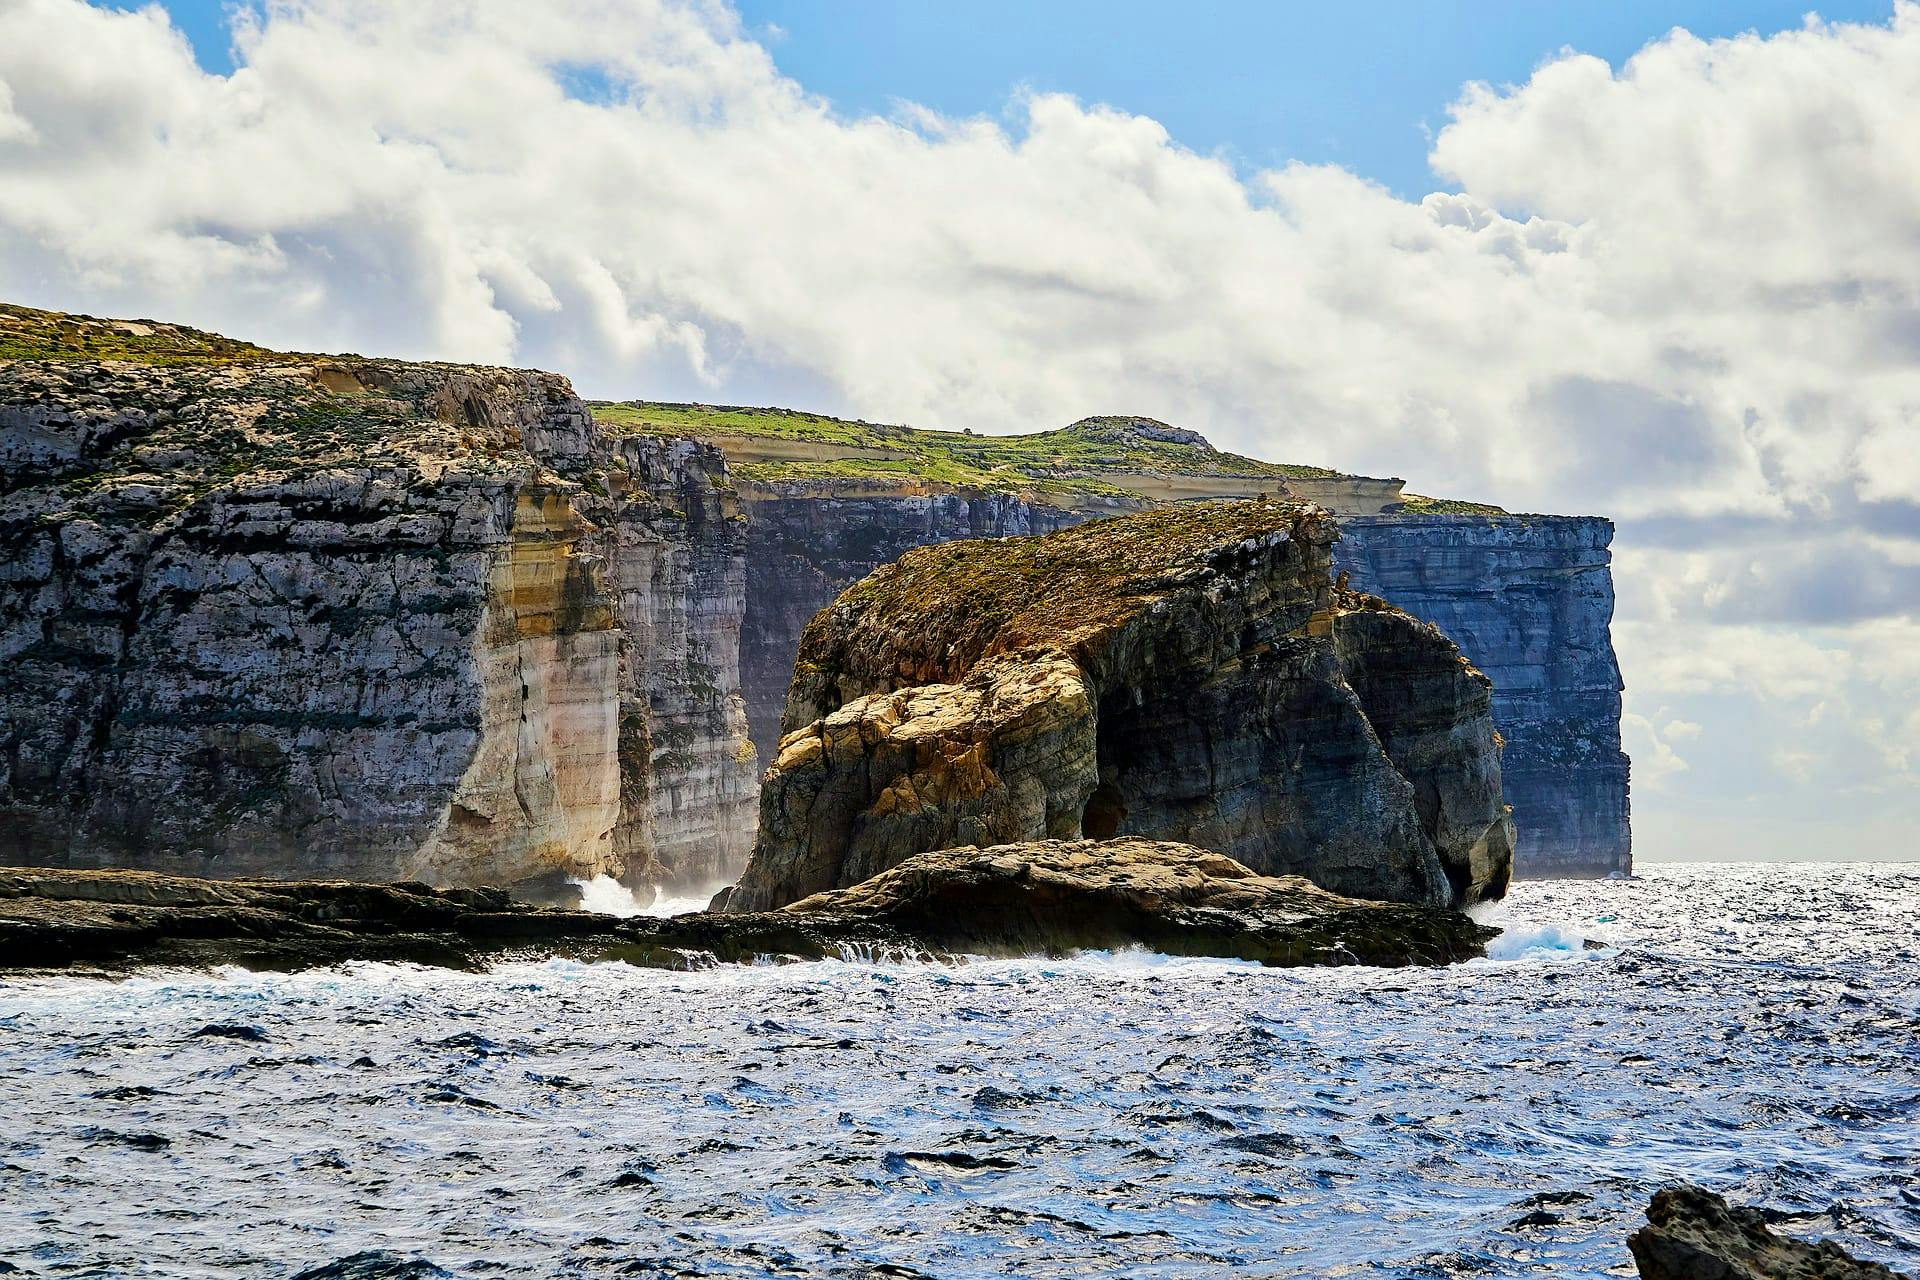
[1012, 900]
[284, 615]
[1693, 1234]
[1529, 600]
[1186, 674]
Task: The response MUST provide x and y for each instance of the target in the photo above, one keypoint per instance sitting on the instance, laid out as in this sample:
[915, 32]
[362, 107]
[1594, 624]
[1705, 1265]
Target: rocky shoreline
[1047, 897]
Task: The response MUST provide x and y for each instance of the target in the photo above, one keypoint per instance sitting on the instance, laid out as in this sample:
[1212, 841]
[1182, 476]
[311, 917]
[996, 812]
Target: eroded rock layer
[283, 615]
[1529, 599]
[1186, 674]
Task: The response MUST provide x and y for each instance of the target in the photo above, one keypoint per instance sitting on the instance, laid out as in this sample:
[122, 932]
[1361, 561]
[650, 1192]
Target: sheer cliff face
[1183, 674]
[299, 617]
[1529, 600]
[806, 543]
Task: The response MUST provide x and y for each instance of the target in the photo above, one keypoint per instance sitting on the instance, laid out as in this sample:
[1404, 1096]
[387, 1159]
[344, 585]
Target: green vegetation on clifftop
[27, 334]
[1094, 456]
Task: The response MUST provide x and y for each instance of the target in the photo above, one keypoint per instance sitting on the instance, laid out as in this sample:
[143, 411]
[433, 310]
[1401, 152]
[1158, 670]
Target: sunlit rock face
[1184, 674]
[299, 616]
[1529, 599]
[807, 543]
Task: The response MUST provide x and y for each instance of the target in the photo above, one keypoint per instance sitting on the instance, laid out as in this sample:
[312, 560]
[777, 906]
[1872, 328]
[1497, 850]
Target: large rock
[1188, 674]
[266, 614]
[1054, 896]
[1011, 900]
[1693, 1234]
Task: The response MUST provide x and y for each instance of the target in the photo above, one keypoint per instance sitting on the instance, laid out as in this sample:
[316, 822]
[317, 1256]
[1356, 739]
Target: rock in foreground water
[1693, 1234]
[1049, 897]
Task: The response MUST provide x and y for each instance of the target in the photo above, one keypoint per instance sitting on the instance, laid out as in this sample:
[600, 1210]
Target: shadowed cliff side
[1186, 674]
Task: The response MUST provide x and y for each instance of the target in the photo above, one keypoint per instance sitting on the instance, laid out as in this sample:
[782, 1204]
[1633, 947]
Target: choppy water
[1753, 1028]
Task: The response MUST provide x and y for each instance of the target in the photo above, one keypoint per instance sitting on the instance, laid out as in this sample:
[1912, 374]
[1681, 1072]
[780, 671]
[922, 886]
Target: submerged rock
[1190, 674]
[1049, 897]
[1693, 1234]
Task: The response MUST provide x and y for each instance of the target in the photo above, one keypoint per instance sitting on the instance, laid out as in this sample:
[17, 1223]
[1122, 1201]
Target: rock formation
[281, 614]
[1054, 896]
[1017, 899]
[1693, 1234]
[1186, 674]
[290, 615]
[1529, 600]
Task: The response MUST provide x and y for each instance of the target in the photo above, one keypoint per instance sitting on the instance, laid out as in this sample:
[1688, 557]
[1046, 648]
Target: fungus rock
[1189, 674]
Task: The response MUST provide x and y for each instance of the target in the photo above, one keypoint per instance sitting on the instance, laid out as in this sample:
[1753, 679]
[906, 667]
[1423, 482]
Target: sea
[1752, 1028]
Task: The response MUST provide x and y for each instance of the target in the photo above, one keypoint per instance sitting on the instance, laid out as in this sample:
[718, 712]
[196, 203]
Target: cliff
[1187, 674]
[1529, 599]
[275, 614]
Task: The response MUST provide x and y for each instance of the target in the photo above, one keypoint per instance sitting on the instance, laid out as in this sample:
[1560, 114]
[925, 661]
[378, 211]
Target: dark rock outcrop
[1693, 1234]
[1012, 900]
[1529, 600]
[1186, 674]
[1052, 896]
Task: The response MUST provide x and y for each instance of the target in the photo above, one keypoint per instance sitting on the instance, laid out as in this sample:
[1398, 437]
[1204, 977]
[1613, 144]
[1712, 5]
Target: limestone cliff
[1529, 599]
[290, 615]
[1187, 674]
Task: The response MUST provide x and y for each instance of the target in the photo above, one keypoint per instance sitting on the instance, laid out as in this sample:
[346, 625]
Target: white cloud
[1685, 293]
[1654, 759]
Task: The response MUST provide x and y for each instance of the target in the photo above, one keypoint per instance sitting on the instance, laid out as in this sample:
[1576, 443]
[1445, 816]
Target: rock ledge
[1048, 897]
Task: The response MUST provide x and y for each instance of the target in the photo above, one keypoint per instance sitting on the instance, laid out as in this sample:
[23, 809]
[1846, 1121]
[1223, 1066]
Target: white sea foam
[1536, 940]
[609, 897]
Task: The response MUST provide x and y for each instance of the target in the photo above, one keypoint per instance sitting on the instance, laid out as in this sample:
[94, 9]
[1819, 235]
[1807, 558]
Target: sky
[1654, 261]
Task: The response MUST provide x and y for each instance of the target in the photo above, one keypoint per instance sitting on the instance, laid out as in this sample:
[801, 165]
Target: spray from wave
[609, 897]
[1535, 940]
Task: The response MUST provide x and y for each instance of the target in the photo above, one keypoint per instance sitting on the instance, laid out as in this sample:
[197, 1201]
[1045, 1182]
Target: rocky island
[1188, 674]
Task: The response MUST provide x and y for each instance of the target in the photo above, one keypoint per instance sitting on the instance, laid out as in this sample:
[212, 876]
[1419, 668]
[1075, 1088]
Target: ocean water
[1753, 1028]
